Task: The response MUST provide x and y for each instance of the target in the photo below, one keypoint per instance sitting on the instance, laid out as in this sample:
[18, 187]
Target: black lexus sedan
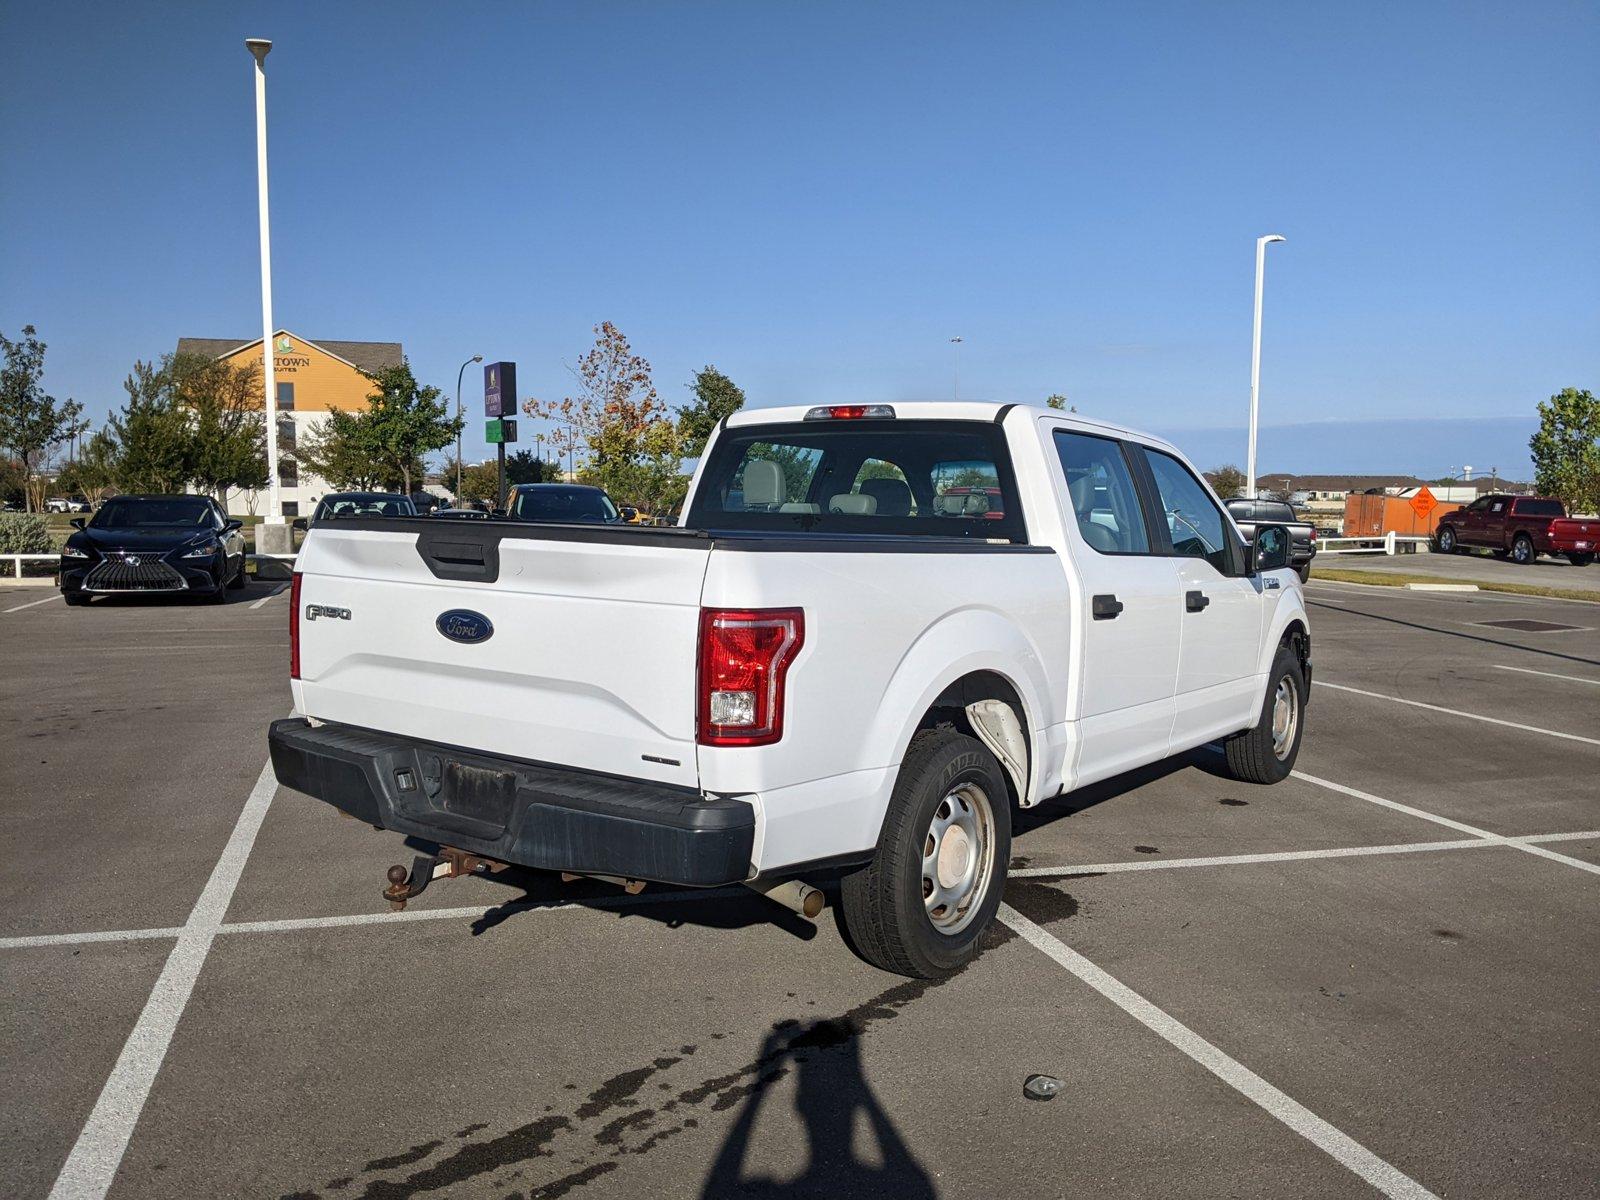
[154, 544]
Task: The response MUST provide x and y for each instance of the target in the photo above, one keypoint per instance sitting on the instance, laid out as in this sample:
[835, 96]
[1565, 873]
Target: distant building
[313, 379]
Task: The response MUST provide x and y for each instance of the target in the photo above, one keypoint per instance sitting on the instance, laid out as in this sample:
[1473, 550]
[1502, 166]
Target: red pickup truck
[1522, 526]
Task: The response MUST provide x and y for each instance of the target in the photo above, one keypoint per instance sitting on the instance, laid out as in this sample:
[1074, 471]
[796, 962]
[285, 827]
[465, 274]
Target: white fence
[1389, 543]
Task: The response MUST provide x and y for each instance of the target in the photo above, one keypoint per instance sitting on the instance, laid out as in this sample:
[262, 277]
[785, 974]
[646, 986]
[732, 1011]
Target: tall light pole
[1255, 361]
[459, 374]
[259, 49]
[955, 389]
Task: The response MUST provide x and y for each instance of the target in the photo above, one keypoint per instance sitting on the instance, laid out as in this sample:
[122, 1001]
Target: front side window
[851, 476]
[1194, 524]
[1103, 496]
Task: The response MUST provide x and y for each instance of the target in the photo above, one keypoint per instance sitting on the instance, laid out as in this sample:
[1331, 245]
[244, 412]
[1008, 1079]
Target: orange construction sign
[1423, 502]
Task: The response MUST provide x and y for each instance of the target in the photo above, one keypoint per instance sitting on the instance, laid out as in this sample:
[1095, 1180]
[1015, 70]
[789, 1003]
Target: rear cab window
[1539, 508]
[938, 478]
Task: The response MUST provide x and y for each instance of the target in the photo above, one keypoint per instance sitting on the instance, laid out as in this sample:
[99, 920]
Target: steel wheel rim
[957, 858]
[1285, 717]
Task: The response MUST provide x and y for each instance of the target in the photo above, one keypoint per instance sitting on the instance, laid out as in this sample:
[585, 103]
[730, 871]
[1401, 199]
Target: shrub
[25, 533]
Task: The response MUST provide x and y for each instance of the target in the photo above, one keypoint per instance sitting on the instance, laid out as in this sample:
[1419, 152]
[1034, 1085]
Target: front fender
[1291, 609]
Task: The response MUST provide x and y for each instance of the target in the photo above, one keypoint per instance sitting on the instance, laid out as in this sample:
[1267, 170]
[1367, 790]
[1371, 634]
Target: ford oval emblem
[464, 625]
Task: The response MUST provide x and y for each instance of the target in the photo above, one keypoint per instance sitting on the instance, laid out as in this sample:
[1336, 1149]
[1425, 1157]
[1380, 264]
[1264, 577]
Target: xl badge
[464, 625]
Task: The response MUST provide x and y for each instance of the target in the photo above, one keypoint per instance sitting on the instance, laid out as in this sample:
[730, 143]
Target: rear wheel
[1265, 753]
[1581, 560]
[1447, 540]
[930, 893]
[1522, 551]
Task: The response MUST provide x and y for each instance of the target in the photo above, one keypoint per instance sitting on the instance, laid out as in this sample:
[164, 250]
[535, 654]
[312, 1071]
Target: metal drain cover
[1525, 626]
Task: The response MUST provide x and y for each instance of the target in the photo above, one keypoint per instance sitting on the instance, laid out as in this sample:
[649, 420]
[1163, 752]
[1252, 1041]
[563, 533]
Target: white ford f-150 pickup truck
[877, 631]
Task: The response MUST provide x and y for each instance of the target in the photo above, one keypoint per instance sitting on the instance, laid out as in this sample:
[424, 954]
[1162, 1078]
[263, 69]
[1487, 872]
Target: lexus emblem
[133, 560]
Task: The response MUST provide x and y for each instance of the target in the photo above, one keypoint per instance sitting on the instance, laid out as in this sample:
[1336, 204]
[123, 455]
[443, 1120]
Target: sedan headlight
[204, 550]
[72, 552]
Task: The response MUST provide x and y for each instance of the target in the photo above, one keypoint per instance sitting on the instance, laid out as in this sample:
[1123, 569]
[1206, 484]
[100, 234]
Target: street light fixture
[259, 48]
[955, 389]
[476, 358]
[1255, 360]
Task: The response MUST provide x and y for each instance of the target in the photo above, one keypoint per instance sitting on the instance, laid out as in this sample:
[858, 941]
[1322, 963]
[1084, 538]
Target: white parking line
[92, 1165]
[34, 603]
[1525, 844]
[1233, 860]
[28, 941]
[1340, 1146]
[277, 591]
[1548, 674]
[1456, 712]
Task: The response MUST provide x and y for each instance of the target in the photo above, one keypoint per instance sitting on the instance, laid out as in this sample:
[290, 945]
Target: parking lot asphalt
[1376, 977]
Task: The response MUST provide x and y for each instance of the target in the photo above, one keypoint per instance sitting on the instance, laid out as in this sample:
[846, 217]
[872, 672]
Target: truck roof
[942, 410]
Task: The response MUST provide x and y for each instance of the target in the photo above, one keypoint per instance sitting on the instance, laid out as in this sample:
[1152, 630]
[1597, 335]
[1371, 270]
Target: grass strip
[1400, 579]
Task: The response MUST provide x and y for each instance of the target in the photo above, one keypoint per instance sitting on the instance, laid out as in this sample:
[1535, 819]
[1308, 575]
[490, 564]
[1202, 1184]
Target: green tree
[1228, 481]
[152, 434]
[12, 480]
[1059, 402]
[227, 426]
[382, 445]
[95, 471]
[33, 425]
[715, 397]
[1566, 450]
[523, 467]
[479, 481]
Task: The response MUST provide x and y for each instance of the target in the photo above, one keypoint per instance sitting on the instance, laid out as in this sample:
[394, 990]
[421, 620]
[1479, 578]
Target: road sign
[1423, 502]
[501, 430]
[500, 390]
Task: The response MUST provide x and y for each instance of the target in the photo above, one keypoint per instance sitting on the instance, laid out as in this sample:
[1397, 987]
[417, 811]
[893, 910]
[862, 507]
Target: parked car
[823, 671]
[338, 505]
[562, 502]
[1523, 527]
[153, 544]
[1248, 514]
[425, 503]
[68, 504]
[10, 506]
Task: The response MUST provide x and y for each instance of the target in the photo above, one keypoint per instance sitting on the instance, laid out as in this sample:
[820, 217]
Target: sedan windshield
[129, 512]
[563, 504]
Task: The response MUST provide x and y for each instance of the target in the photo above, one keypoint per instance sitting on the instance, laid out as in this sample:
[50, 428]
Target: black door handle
[1195, 601]
[1106, 608]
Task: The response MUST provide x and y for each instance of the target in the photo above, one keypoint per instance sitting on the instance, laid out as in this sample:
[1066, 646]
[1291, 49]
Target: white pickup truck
[877, 630]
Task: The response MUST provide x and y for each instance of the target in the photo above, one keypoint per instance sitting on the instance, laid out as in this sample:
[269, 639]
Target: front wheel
[238, 581]
[75, 599]
[1522, 551]
[923, 904]
[1447, 540]
[1581, 560]
[1265, 752]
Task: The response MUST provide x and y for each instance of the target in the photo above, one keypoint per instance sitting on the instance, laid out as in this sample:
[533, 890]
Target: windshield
[364, 504]
[563, 504]
[127, 512]
[936, 478]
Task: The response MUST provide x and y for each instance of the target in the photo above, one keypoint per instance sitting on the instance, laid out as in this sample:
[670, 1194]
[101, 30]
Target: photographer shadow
[832, 1097]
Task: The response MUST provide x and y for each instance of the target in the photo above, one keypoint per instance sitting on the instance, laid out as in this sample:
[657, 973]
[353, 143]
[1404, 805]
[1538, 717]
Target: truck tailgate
[591, 660]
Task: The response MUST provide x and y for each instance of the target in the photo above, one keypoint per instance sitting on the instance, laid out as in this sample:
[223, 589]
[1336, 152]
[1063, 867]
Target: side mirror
[231, 524]
[298, 523]
[629, 513]
[1271, 548]
[77, 522]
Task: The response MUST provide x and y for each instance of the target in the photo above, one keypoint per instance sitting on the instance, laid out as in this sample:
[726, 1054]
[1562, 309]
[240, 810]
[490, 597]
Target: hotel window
[291, 508]
[288, 472]
[286, 433]
[286, 397]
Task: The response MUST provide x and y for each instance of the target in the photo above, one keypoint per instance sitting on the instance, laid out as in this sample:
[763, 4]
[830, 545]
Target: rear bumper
[535, 815]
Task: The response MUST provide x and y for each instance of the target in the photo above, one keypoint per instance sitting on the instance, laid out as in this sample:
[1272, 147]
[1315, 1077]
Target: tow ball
[425, 868]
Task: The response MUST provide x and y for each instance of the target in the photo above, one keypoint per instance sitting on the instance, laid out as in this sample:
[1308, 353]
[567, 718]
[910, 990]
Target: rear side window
[935, 478]
[1103, 497]
[1539, 508]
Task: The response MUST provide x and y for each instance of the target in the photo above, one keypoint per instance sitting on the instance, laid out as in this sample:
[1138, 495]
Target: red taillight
[294, 626]
[1313, 533]
[744, 657]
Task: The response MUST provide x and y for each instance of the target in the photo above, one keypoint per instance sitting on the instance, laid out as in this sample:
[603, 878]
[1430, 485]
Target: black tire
[1522, 551]
[883, 909]
[75, 599]
[1581, 560]
[1447, 541]
[1304, 571]
[238, 581]
[1252, 754]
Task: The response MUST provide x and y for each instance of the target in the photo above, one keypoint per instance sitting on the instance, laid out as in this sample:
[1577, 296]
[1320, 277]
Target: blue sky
[816, 197]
